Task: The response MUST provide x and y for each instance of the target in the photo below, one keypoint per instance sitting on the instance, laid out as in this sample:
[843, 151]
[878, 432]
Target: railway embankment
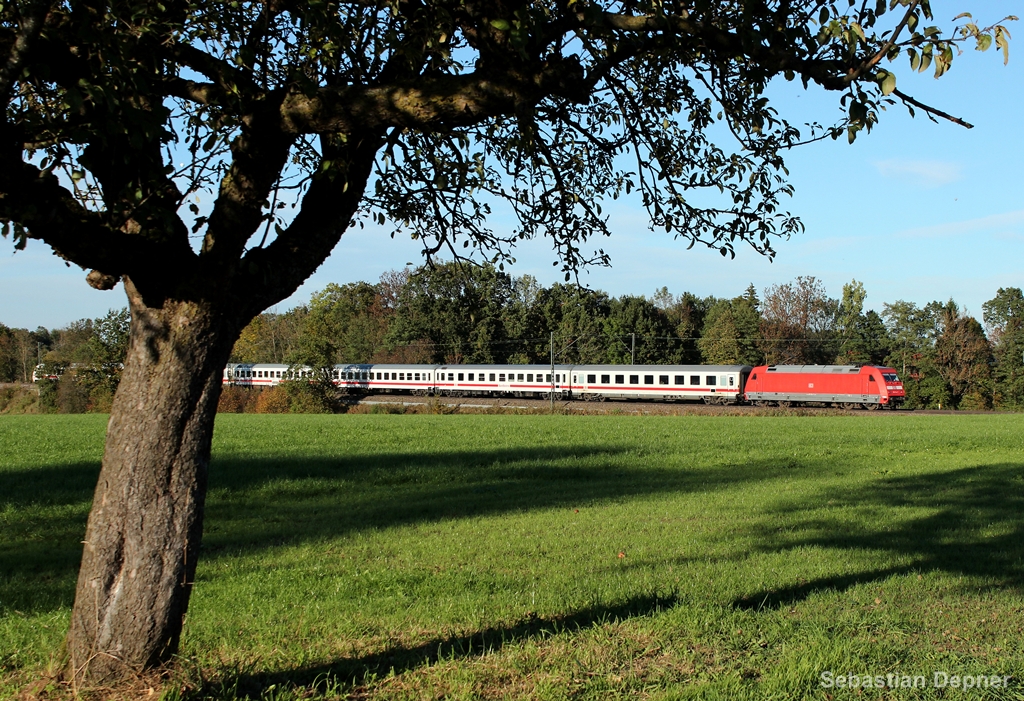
[19, 398]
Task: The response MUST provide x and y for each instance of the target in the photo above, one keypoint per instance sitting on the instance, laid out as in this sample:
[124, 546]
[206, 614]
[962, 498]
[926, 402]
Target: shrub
[72, 395]
[274, 400]
[237, 400]
[311, 397]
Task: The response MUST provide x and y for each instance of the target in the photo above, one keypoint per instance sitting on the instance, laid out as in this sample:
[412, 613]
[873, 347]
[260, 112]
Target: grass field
[560, 556]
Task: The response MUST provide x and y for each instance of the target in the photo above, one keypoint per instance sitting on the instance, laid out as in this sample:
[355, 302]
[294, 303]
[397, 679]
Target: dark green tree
[913, 331]
[686, 314]
[577, 316]
[9, 365]
[863, 338]
[456, 312]
[732, 331]
[963, 358]
[293, 121]
[1004, 318]
[344, 324]
[635, 320]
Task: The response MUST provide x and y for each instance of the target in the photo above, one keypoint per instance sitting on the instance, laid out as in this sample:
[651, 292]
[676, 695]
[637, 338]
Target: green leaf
[502, 25]
[888, 83]
[926, 60]
[984, 42]
[823, 16]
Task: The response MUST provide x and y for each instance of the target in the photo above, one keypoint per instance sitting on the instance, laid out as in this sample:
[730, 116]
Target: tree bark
[144, 530]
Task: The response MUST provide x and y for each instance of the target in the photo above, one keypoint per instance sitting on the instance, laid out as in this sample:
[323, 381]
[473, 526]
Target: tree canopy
[119, 117]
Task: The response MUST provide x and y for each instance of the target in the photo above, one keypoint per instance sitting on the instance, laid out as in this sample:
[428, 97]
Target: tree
[799, 324]
[963, 358]
[346, 324]
[270, 337]
[636, 319]
[1004, 319]
[9, 370]
[293, 121]
[863, 338]
[456, 313]
[732, 331]
[686, 313]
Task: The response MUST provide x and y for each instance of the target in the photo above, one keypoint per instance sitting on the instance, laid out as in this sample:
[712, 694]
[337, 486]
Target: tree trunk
[143, 535]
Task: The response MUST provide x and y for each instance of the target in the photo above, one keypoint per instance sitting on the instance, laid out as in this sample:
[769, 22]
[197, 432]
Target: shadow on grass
[254, 504]
[970, 524]
[352, 672]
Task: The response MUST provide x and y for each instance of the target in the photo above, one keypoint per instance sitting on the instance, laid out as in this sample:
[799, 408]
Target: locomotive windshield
[890, 377]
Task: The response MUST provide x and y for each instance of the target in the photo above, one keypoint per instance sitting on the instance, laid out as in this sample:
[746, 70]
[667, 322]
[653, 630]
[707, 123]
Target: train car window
[620, 379]
[501, 377]
[722, 378]
[520, 377]
[871, 378]
[401, 376]
[711, 380]
[492, 377]
[662, 379]
[694, 379]
[680, 379]
[732, 381]
[591, 379]
[754, 376]
[648, 379]
[634, 379]
[471, 376]
[606, 379]
[417, 376]
[460, 377]
[548, 378]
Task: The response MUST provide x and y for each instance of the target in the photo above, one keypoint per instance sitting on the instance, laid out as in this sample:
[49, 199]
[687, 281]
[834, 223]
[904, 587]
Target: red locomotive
[844, 386]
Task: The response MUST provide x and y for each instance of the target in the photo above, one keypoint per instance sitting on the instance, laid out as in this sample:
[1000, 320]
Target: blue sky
[915, 210]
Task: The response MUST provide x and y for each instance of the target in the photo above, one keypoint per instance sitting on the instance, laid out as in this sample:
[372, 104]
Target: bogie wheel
[872, 407]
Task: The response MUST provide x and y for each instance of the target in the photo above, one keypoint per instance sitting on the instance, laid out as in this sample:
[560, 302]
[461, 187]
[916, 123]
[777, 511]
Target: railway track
[611, 406]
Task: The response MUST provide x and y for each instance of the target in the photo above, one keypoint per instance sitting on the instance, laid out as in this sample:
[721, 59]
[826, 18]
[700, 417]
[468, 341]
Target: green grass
[558, 557]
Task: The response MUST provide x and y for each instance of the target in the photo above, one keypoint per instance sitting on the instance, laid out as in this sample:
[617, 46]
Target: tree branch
[50, 213]
[931, 110]
[427, 103]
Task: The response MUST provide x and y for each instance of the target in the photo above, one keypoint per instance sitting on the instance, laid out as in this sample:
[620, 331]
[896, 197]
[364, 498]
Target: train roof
[664, 368]
[853, 369]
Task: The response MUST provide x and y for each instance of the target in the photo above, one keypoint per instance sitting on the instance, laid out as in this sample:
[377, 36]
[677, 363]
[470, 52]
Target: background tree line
[466, 314]
[86, 355]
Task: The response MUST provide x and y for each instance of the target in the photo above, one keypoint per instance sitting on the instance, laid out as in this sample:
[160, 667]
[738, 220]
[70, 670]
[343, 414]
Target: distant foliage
[466, 314]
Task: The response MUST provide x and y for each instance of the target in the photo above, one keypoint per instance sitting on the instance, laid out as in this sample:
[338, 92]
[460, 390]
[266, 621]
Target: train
[841, 386]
